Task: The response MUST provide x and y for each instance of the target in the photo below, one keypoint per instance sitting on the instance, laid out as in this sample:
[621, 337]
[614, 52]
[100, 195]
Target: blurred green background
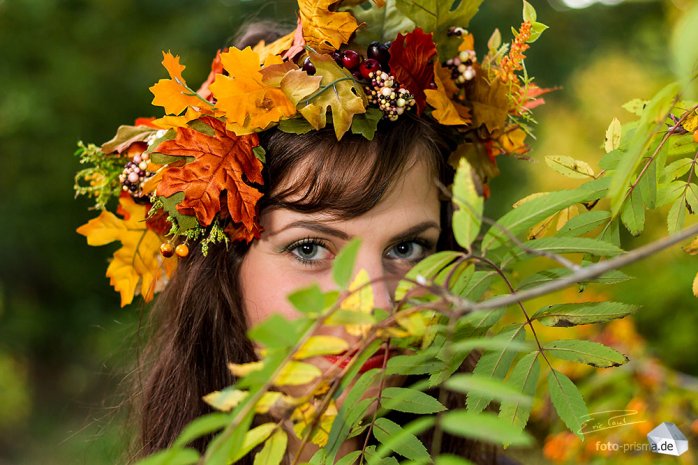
[75, 69]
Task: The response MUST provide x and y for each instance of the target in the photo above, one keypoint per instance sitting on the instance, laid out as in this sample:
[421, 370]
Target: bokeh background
[75, 69]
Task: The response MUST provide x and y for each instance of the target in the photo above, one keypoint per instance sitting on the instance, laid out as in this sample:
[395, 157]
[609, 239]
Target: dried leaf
[446, 111]
[138, 261]
[220, 163]
[410, 62]
[247, 102]
[325, 30]
[338, 91]
[173, 94]
[489, 101]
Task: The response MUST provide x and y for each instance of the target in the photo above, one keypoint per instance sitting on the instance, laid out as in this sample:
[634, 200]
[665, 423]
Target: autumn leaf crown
[194, 174]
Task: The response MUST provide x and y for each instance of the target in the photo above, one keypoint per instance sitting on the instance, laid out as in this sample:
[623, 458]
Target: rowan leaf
[295, 373]
[428, 268]
[359, 301]
[252, 439]
[273, 450]
[533, 211]
[494, 388]
[584, 223]
[613, 134]
[343, 264]
[589, 352]
[695, 285]
[568, 401]
[215, 174]
[467, 219]
[321, 345]
[568, 166]
[397, 438]
[411, 62]
[583, 313]
[633, 213]
[494, 364]
[325, 30]
[523, 378]
[248, 103]
[338, 91]
[483, 426]
[138, 264]
[173, 94]
[409, 400]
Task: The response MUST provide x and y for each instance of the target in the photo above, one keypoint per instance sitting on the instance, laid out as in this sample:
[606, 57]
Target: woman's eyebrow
[325, 229]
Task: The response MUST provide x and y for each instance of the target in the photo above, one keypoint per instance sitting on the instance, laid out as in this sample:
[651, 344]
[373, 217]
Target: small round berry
[142, 166]
[369, 66]
[337, 57]
[378, 51]
[432, 85]
[167, 249]
[695, 136]
[182, 250]
[351, 59]
[308, 66]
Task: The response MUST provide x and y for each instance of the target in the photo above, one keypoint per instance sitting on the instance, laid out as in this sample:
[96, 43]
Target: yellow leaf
[613, 134]
[414, 323]
[359, 301]
[568, 166]
[172, 94]
[138, 261]
[539, 229]
[522, 201]
[321, 345]
[325, 30]
[690, 124]
[281, 44]
[244, 369]
[566, 215]
[303, 417]
[695, 285]
[247, 102]
[692, 248]
[296, 373]
[225, 400]
[446, 111]
[298, 84]
[338, 91]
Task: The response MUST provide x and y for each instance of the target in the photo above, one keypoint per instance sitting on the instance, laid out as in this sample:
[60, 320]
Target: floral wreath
[195, 174]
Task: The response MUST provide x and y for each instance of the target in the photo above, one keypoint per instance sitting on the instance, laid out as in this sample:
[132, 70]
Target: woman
[318, 189]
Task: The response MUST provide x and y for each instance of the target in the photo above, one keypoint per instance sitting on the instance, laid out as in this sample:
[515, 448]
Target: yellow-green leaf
[360, 300]
[613, 134]
[321, 345]
[295, 373]
[568, 166]
[467, 218]
[273, 450]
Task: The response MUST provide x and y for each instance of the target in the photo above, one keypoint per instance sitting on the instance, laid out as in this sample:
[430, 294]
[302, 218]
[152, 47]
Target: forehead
[413, 198]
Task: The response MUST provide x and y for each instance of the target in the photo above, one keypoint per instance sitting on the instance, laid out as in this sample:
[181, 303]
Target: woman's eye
[412, 250]
[309, 252]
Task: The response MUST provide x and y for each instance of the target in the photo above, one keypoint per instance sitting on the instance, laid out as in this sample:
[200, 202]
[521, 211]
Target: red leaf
[411, 63]
[220, 162]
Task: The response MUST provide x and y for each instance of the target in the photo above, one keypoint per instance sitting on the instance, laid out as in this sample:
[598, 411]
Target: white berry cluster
[386, 93]
[461, 67]
[135, 174]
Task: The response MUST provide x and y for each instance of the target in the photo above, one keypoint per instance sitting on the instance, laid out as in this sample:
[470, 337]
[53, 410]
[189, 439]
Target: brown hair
[198, 321]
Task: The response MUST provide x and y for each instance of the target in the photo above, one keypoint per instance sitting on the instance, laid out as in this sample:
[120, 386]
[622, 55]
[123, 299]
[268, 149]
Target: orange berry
[166, 249]
[182, 250]
[695, 136]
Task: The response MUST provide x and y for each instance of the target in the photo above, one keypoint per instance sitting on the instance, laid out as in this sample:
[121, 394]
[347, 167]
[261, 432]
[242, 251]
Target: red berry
[308, 66]
[432, 85]
[351, 59]
[337, 57]
[369, 66]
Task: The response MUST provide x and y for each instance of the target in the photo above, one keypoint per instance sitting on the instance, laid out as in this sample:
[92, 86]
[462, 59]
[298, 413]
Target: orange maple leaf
[173, 94]
[138, 261]
[220, 162]
[446, 111]
[247, 102]
[325, 30]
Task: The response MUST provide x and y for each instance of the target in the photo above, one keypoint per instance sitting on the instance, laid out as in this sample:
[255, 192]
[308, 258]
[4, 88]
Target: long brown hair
[198, 323]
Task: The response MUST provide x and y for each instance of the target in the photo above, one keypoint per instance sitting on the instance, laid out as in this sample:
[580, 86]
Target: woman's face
[297, 249]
